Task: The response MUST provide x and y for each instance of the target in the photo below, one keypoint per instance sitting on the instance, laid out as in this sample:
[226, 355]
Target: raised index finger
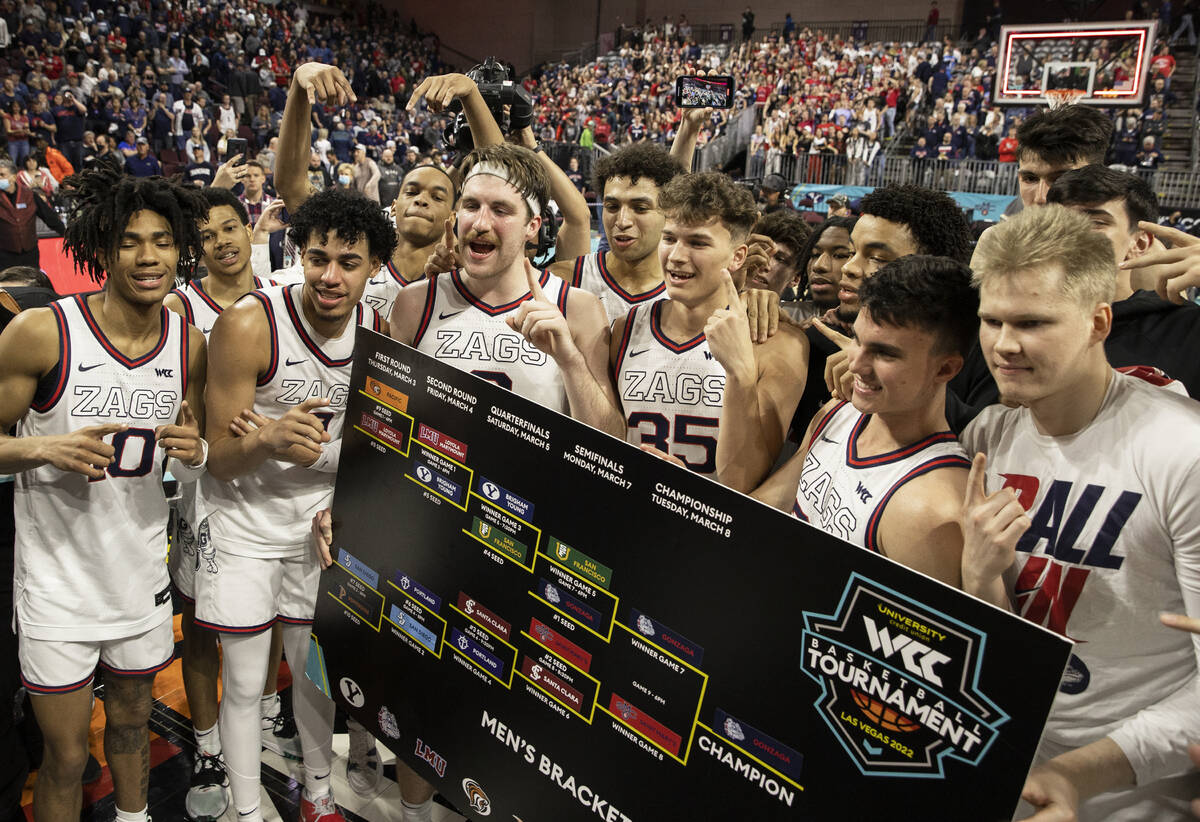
[101, 431]
[836, 337]
[418, 93]
[1165, 232]
[535, 287]
[976, 491]
[731, 293]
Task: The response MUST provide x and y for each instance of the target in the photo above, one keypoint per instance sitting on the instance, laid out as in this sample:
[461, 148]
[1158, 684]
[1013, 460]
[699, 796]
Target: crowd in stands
[164, 87]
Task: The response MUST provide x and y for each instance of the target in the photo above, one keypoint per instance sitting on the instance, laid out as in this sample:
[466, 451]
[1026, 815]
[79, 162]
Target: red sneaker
[321, 809]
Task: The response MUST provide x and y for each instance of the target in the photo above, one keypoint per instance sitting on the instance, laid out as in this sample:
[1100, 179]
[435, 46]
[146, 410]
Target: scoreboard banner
[549, 624]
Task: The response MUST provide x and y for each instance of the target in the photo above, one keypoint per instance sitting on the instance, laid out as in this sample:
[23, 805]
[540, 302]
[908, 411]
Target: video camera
[498, 90]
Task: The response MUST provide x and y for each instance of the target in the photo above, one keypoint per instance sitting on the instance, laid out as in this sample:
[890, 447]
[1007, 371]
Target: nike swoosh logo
[826, 439]
[83, 367]
[205, 331]
[443, 316]
[295, 362]
[635, 353]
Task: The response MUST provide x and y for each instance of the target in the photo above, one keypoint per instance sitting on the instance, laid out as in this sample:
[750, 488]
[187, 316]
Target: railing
[1195, 114]
[876, 31]
[716, 154]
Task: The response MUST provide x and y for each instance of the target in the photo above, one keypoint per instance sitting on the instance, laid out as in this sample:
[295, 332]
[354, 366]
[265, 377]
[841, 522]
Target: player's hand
[229, 174]
[1169, 271]
[663, 455]
[247, 422]
[1180, 622]
[182, 440]
[728, 336]
[441, 90]
[1054, 795]
[838, 378]
[991, 526]
[762, 313]
[269, 221]
[758, 257]
[83, 451]
[322, 529]
[541, 323]
[297, 436]
[323, 83]
[445, 255]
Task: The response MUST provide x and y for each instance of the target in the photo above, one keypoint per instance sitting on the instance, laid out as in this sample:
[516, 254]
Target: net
[1059, 97]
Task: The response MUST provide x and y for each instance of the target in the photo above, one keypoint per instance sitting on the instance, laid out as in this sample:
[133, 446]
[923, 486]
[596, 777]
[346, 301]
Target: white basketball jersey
[267, 512]
[200, 309]
[463, 331]
[382, 289]
[671, 393]
[90, 553]
[591, 274]
[844, 494]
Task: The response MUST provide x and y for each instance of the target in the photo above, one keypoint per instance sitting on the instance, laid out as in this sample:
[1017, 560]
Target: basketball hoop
[1059, 97]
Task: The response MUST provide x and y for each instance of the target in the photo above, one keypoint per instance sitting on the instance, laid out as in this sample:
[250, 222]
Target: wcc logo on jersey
[898, 683]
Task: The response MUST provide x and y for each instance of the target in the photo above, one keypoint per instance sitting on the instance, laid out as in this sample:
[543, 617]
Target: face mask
[5, 185]
[343, 179]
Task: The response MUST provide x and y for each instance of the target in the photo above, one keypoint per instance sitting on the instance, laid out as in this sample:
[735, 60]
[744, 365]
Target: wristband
[186, 473]
[330, 455]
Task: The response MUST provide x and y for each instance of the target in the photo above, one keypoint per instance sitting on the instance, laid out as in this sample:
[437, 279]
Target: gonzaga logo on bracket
[898, 682]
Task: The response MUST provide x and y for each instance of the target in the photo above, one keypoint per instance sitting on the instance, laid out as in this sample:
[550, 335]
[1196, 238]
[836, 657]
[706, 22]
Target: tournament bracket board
[549, 624]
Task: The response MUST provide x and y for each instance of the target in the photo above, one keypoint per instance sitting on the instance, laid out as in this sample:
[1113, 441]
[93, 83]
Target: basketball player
[226, 237]
[821, 259]
[281, 357]
[102, 386]
[1148, 332]
[474, 317]
[896, 220]
[1052, 141]
[883, 471]
[628, 274]
[426, 197]
[686, 365]
[1091, 526]
[499, 319]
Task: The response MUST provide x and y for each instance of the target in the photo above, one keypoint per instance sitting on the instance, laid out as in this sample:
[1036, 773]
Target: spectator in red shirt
[1008, 147]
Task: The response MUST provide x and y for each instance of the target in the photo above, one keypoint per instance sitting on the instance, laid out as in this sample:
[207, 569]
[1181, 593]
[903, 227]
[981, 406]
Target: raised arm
[311, 82]
[575, 234]
[440, 90]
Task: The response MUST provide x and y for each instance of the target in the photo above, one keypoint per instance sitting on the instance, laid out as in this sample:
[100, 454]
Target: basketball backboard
[1108, 61]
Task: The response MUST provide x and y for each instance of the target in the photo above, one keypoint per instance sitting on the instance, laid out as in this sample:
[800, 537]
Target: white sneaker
[279, 733]
[364, 770]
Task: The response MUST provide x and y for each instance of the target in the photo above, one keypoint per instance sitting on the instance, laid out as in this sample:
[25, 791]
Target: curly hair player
[280, 365]
[101, 386]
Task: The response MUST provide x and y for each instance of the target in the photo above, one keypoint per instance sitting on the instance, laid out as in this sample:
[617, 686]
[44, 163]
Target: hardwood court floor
[171, 749]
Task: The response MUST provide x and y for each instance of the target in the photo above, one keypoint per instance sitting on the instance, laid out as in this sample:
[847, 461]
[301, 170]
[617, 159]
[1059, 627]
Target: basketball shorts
[50, 666]
[245, 595]
[190, 546]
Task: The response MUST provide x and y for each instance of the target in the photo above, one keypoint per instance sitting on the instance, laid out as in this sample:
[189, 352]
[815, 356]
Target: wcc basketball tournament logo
[899, 683]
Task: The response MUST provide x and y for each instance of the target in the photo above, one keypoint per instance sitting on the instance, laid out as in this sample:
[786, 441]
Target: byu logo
[491, 491]
[424, 474]
[352, 692]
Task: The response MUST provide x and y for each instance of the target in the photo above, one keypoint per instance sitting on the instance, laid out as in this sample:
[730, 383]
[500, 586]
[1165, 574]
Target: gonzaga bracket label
[549, 624]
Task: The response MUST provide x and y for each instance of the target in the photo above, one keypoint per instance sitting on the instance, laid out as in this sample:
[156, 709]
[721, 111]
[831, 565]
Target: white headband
[497, 170]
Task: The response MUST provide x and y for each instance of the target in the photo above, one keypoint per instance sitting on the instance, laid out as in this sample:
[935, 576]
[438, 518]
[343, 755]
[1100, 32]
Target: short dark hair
[105, 201]
[807, 251]
[635, 162]
[697, 198]
[786, 227]
[1066, 135]
[216, 196]
[932, 217]
[25, 275]
[351, 215]
[931, 293]
[1095, 184]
